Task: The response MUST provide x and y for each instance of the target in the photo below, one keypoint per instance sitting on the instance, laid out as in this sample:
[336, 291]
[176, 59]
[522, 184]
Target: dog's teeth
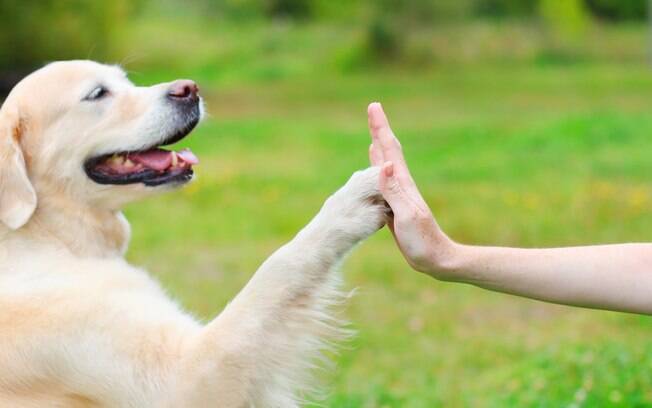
[116, 159]
[175, 159]
[128, 163]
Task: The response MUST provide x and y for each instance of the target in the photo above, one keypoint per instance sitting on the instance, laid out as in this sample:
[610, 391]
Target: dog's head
[82, 130]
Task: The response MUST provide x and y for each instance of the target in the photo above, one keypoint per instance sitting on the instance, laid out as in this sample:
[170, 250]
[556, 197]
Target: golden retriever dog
[79, 326]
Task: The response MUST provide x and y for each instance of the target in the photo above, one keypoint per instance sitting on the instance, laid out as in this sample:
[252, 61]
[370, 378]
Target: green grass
[524, 154]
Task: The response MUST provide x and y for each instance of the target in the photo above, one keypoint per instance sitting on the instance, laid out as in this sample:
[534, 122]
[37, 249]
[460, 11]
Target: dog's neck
[78, 228]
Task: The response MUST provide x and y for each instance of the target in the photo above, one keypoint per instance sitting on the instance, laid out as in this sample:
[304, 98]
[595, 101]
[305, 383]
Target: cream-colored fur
[80, 327]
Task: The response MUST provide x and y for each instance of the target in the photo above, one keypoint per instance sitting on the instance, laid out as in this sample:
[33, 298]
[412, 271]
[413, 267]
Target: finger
[390, 147]
[375, 155]
[400, 192]
[382, 134]
[392, 191]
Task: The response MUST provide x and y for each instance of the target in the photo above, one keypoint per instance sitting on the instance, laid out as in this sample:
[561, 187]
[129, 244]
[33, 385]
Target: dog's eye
[97, 94]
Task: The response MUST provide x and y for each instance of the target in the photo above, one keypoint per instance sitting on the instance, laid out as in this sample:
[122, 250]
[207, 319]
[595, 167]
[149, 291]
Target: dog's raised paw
[359, 207]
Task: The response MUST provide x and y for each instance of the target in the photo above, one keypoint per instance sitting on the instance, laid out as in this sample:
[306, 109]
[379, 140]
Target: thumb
[391, 189]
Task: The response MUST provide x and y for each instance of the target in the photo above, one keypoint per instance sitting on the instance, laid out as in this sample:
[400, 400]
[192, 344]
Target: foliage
[566, 18]
[33, 32]
[299, 9]
[257, 9]
[565, 25]
[501, 8]
[613, 10]
[384, 40]
[618, 10]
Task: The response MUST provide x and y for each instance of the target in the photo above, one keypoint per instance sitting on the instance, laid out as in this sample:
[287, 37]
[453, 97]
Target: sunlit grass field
[509, 154]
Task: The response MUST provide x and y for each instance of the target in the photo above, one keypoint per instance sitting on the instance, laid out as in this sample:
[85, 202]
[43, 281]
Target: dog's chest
[102, 329]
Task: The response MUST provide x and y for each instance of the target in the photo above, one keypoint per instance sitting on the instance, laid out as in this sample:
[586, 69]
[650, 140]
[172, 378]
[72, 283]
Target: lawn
[511, 154]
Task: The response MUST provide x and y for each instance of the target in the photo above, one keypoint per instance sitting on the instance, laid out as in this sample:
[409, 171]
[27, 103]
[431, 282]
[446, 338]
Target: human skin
[611, 277]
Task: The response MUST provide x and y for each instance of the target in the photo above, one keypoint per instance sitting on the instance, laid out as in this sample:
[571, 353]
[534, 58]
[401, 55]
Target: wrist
[445, 260]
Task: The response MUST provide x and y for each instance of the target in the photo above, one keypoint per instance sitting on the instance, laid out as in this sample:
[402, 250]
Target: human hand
[611, 277]
[423, 244]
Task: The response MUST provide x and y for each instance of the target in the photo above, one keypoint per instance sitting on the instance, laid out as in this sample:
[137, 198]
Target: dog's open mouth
[152, 167]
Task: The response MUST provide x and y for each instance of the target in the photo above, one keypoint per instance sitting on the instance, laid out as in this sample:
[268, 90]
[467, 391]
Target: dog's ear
[17, 195]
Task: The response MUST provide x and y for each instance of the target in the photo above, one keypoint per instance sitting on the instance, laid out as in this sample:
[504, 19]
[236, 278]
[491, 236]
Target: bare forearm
[614, 277]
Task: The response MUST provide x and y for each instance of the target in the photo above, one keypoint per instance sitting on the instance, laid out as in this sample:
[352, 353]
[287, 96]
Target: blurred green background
[526, 123]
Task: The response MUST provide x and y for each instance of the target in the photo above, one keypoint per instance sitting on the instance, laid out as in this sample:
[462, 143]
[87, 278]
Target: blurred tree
[564, 27]
[425, 12]
[297, 9]
[33, 32]
[566, 19]
[236, 10]
[501, 8]
[384, 39]
[248, 9]
[393, 20]
[618, 10]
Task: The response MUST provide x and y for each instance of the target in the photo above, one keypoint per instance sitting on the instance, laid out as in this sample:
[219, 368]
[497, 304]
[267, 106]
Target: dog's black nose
[184, 90]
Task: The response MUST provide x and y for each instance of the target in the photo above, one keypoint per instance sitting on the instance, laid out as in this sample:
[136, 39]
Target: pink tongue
[154, 159]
